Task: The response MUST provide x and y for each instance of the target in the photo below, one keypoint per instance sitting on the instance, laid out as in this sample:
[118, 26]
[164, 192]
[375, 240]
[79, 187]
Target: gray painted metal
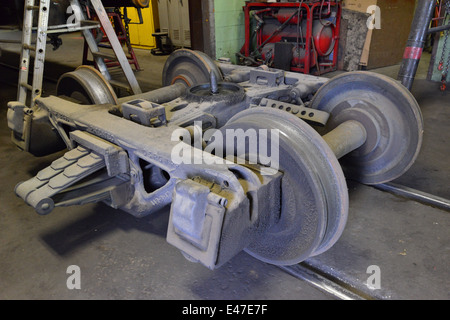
[346, 138]
[314, 197]
[390, 115]
[331, 286]
[87, 86]
[224, 205]
[190, 68]
[417, 195]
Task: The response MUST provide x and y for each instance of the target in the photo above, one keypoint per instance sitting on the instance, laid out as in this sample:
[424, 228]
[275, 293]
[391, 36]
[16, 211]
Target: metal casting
[237, 152]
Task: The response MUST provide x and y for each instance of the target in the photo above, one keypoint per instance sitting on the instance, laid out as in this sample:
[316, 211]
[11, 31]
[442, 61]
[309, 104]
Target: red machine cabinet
[280, 22]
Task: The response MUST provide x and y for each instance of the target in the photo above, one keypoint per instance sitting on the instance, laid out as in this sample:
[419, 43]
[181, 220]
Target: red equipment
[301, 36]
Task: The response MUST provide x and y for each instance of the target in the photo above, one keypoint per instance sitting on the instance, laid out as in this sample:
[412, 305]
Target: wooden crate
[385, 46]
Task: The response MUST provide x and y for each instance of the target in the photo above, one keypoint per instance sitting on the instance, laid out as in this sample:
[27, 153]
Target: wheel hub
[390, 115]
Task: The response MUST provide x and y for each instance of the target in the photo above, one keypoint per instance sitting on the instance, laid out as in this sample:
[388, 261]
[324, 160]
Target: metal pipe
[439, 29]
[332, 286]
[416, 195]
[346, 138]
[214, 85]
[416, 42]
[161, 95]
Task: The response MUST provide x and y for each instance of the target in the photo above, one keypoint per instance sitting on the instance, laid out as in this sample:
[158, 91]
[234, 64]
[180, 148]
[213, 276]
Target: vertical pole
[416, 42]
[309, 37]
[41, 43]
[337, 37]
[247, 30]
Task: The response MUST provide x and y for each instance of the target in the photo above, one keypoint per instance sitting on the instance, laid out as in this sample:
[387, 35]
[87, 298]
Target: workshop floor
[121, 257]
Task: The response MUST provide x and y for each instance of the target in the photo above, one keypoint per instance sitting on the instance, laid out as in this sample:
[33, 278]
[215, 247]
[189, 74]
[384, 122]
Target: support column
[416, 42]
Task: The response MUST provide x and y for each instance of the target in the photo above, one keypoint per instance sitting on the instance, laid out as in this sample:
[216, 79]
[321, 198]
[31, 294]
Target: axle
[346, 138]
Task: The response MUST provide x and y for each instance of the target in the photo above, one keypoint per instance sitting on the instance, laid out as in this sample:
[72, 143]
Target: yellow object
[141, 34]
[141, 3]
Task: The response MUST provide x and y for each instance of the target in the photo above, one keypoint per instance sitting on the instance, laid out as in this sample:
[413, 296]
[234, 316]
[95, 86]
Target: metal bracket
[270, 78]
[16, 115]
[210, 224]
[197, 220]
[116, 159]
[145, 113]
[313, 116]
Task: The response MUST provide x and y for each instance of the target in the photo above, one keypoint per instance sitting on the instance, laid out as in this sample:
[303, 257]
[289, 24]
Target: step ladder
[119, 54]
[81, 24]
[122, 35]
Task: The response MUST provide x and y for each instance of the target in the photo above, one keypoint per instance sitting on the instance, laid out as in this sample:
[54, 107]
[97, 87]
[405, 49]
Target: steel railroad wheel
[390, 115]
[86, 85]
[189, 67]
[314, 197]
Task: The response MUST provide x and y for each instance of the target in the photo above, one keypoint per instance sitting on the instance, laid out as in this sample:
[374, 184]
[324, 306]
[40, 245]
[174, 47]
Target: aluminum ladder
[80, 24]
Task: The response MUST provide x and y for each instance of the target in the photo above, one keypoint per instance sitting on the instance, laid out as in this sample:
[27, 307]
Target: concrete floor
[121, 257]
